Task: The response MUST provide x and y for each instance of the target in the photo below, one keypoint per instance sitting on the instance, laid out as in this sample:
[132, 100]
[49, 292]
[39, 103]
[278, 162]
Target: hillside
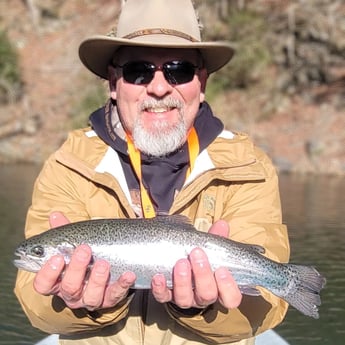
[292, 107]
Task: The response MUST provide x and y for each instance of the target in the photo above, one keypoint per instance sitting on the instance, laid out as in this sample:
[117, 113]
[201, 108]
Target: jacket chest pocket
[210, 207]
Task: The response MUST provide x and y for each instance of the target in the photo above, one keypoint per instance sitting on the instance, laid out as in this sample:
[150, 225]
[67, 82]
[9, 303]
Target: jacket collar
[105, 122]
[162, 176]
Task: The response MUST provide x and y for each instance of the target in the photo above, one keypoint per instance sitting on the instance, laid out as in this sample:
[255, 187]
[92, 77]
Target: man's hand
[195, 284]
[74, 284]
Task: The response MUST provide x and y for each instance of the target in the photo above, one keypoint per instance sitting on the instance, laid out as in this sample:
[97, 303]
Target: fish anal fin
[249, 290]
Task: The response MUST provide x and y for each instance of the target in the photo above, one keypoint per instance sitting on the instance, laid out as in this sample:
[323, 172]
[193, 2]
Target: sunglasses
[142, 72]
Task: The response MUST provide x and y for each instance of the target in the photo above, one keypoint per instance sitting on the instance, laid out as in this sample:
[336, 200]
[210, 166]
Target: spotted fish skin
[150, 246]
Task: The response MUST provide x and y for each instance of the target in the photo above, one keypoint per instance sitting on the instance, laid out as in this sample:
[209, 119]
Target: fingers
[205, 289]
[93, 294]
[220, 228]
[194, 282]
[196, 285]
[160, 290]
[46, 279]
[183, 293]
[229, 294]
[212, 286]
[118, 290]
[81, 287]
[97, 293]
[72, 284]
[57, 219]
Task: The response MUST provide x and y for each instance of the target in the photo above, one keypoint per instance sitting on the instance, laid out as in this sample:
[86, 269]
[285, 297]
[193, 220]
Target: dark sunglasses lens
[175, 72]
[179, 72]
[138, 72]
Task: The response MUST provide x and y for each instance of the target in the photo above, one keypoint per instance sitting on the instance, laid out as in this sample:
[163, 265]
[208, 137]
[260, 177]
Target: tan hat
[154, 23]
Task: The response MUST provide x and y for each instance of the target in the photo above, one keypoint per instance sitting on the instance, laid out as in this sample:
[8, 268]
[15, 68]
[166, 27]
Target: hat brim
[97, 51]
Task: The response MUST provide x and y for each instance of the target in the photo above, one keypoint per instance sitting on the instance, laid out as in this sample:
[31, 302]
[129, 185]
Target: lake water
[313, 207]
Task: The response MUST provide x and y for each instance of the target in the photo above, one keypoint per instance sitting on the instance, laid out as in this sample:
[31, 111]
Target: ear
[112, 81]
[203, 76]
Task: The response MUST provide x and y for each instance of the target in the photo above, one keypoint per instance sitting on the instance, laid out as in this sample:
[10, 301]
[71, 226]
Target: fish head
[33, 253]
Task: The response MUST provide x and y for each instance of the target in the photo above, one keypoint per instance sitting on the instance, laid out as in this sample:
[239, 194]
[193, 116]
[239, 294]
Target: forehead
[125, 54]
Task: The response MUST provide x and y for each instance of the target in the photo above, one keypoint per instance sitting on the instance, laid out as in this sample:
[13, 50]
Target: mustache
[168, 102]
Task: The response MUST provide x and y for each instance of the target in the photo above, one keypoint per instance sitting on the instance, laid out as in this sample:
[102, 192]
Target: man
[155, 148]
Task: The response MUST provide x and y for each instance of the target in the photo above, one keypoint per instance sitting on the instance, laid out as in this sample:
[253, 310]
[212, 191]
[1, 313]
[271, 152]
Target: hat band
[155, 31]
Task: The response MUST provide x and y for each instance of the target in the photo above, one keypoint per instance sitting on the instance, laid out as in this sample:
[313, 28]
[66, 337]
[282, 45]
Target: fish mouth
[26, 263]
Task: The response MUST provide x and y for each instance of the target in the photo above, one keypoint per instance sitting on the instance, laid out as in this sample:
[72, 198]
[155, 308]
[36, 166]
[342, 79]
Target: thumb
[220, 228]
[57, 218]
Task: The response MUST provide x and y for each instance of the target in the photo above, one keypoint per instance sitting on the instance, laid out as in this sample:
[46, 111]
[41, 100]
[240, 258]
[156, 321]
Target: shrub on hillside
[10, 82]
[246, 29]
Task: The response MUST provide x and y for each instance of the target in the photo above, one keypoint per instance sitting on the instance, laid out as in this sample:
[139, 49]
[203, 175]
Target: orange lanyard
[134, 155]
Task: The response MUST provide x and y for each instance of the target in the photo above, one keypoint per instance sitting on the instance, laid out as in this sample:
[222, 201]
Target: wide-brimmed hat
[154, 23]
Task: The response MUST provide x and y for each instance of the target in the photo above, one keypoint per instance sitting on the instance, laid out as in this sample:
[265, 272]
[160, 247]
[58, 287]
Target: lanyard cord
[134, 155]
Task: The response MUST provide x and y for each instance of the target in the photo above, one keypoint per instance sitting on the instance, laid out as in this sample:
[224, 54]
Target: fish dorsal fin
[174, 219]
[257, 248]
[178, 220]
[253, 247]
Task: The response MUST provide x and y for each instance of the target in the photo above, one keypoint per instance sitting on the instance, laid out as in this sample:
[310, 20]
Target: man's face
[157, 115]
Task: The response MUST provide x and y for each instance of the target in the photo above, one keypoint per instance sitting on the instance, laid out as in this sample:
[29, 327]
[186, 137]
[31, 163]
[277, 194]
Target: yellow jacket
[231, 180]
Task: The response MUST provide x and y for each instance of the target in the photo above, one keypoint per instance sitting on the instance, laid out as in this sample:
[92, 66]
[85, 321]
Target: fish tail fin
[305, 297]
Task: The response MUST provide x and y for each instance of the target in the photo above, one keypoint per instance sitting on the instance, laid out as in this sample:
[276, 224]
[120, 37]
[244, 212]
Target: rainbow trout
[150, 246]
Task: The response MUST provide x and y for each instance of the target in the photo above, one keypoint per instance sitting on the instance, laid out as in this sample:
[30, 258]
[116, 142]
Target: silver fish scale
[148, 246]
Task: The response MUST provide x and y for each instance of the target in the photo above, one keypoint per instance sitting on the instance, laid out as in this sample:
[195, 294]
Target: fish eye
[37, 251]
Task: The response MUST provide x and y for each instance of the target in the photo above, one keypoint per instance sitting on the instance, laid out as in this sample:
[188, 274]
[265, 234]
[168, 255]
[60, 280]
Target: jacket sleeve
[253, 211]
[58, 189]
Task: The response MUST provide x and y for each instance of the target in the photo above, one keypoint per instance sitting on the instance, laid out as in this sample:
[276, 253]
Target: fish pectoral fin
[249, 290]
[66, 249]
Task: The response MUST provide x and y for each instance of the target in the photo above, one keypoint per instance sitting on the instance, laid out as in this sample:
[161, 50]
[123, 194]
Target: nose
[159, 86]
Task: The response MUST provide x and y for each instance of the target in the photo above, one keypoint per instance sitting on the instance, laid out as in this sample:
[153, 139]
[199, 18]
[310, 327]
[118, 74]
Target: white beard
[162, 138]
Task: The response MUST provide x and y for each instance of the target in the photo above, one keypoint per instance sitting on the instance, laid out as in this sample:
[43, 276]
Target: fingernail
[157, 283]
[198, 257]
[101, 268]
[128, 278]
[223, 273]
[67, 298]
[53, 215]
[158, 280]
[82, 254]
